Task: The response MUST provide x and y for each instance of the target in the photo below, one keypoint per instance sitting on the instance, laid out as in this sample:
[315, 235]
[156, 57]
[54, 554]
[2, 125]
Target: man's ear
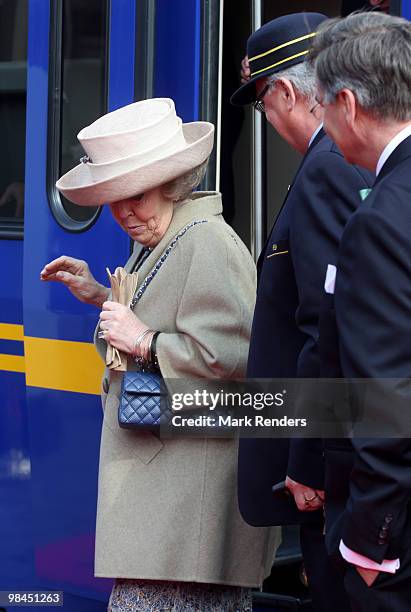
[287, 93]
[349, 106]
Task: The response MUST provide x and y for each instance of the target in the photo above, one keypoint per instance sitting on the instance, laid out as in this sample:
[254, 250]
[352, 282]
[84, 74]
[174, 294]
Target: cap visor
[245, 94]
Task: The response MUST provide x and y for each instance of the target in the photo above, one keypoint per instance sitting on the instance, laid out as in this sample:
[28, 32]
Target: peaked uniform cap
[134, 149]
[276, 46]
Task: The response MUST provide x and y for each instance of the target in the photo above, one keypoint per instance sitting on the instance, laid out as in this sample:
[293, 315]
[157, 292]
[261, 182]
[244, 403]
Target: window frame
[11, 230]
[55, 117]
[145, 47]
[14, 229]
[211, 87]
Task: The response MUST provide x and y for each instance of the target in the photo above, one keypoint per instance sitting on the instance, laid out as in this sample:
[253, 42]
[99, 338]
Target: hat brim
[246, 94]
[79, 187]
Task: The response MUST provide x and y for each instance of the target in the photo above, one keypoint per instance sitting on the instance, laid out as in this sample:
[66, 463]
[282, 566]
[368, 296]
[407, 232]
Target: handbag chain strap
[160, 261]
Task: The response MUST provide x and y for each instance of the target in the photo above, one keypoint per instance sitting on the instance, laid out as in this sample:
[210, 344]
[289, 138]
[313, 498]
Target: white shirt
[315, 134]
[391, 146]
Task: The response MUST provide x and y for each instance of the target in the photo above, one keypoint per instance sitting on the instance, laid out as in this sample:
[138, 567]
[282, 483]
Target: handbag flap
[143, 383]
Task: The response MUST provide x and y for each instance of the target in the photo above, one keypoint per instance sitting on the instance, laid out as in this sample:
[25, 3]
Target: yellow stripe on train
[63, 365]
[53, 364]
[12, 363]
[10, 331]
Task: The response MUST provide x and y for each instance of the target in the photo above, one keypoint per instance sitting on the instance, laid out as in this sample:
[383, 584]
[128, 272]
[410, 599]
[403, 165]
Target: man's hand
[368, 575]
[306, 498]
[245, 70]
[76, 276]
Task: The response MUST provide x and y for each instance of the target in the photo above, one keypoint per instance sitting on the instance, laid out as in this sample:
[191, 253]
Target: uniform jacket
[284, 340]
[167, 508]
[369, 490]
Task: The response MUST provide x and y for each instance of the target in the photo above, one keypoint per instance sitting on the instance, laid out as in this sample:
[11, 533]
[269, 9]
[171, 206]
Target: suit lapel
[314, 143]
[310, 149]
[400, 153]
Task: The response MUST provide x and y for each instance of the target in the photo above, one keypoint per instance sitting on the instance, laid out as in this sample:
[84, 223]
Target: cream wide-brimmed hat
[133, 149]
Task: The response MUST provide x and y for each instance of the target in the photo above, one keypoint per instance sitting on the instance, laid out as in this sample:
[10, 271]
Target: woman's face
[145, 217]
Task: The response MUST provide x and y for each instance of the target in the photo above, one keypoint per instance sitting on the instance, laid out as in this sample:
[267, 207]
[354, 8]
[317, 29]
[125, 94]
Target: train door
[80, 64]
[83, 60]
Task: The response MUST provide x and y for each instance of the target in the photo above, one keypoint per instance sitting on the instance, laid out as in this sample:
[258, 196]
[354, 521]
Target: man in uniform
[363, 66]
[303, 240]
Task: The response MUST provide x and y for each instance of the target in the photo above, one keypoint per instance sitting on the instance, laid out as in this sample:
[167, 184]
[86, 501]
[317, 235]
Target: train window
[13, 71]
[78, 88]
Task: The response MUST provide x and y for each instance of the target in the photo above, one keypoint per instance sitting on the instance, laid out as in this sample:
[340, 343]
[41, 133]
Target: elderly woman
[168, 525]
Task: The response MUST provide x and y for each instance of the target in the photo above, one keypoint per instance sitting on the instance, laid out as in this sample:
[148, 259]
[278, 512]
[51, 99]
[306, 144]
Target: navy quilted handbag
[143, 401]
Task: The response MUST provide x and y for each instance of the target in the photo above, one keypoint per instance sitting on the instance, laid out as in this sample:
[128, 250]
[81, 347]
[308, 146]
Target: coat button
[106, 385]
[381, 542]
[388, 519]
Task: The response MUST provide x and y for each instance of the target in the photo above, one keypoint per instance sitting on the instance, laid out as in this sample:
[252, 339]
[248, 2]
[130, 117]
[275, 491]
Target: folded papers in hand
[123, 287]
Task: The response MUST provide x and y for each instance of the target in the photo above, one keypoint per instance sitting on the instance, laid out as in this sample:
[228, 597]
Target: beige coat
[167, 509]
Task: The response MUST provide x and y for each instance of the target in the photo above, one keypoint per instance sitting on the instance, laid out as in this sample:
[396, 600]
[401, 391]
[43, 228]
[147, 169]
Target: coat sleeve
[327, 195]
[373, 305]
[217, 278]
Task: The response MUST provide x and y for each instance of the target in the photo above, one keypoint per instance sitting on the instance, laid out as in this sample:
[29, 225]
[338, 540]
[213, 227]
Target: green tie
[364, 193]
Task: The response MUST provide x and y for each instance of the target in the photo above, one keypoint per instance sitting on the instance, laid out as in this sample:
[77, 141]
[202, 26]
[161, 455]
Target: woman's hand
[76, 276]
[121, 326]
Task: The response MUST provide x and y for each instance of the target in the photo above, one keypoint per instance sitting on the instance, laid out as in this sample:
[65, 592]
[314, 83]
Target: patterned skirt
[161, 596]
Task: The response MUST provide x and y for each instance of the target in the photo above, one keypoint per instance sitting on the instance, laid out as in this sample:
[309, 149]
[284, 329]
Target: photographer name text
[228, 421]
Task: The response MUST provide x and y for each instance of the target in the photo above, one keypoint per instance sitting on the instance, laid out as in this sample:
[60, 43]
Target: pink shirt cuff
[389, 566]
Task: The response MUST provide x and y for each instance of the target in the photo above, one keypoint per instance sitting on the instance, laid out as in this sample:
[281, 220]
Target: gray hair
[181, 187]
[369, 54]
[302, 76]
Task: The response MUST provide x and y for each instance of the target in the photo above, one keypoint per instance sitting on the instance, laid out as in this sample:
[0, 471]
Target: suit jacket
[167, 507]
[284, 339]
[370, 505]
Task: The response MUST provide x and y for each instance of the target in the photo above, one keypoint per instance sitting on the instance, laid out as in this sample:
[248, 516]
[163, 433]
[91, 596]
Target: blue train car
[62, 64]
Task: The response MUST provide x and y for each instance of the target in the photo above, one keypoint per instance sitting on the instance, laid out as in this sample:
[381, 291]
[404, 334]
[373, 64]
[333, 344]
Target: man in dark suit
[363, 66]
[305, 237]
